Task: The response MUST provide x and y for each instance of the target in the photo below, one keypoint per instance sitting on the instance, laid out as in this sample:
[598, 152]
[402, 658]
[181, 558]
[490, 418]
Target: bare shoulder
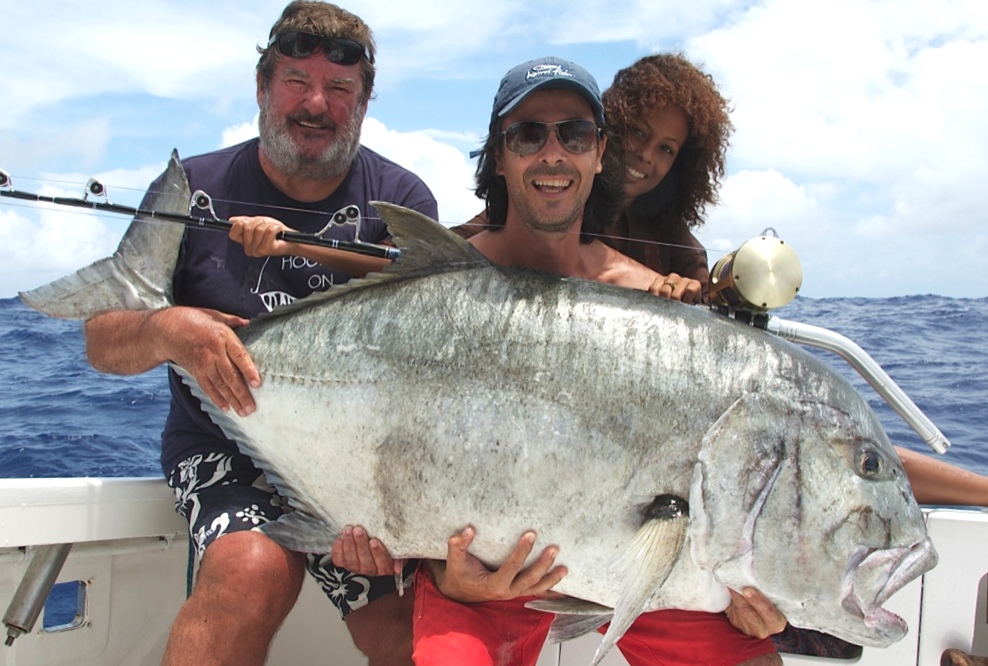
[622, 270]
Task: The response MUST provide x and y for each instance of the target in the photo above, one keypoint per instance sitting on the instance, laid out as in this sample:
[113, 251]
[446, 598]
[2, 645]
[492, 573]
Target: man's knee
[382, 629]
[249, 568]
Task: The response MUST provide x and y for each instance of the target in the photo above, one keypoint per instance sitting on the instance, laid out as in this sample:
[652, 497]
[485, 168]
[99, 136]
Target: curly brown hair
[658, 81]
[326, 20]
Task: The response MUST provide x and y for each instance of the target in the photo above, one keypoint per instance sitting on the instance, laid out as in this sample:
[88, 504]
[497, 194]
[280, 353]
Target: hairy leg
[382, 629]
[245, 588]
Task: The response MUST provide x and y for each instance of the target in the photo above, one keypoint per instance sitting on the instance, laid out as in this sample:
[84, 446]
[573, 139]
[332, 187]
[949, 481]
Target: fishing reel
[761, 275]
[764, 274]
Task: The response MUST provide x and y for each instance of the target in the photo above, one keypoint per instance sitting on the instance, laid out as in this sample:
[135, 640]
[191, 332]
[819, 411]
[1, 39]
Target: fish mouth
[872, 576]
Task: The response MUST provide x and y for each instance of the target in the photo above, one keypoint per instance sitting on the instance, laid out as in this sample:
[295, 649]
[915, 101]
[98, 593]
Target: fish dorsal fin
[426, 247]
[424, 243]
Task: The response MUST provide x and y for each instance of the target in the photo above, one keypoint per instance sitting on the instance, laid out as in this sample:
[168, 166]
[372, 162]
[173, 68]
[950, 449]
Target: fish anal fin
[574, 617]
[569, 606]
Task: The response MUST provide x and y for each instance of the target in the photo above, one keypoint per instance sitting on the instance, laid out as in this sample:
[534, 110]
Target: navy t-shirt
[214, 272]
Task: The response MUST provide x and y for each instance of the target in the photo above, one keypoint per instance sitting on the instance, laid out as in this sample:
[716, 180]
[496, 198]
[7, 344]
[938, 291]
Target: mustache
[322, 120]
[546, 170]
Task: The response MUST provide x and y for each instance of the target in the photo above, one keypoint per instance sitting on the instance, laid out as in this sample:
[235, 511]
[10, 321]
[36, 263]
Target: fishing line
[297, 237]
[201, 201]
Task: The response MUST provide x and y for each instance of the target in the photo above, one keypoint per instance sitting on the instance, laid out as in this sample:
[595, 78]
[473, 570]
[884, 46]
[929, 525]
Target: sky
[860, 125]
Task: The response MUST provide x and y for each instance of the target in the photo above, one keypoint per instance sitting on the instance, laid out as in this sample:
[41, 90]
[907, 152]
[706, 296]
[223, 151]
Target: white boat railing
[130, 555]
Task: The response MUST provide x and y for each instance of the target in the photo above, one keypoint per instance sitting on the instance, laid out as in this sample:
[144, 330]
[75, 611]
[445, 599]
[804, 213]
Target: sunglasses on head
[298, 44]
[527, 138]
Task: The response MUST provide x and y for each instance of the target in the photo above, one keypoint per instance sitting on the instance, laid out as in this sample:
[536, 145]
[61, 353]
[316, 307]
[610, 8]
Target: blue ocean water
[61, 418]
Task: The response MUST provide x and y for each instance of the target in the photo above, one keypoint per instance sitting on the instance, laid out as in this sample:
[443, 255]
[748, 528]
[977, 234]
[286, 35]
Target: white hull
[130, 553]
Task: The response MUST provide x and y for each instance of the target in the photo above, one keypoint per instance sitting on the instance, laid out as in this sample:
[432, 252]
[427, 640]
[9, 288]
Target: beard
[292, 160]
[557, 219]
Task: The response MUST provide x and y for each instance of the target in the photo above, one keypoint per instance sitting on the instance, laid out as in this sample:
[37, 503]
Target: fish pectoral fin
[646, 563]
[301, 532]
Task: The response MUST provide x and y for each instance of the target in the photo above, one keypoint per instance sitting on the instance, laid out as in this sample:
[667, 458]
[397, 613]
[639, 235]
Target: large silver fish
[669, 452]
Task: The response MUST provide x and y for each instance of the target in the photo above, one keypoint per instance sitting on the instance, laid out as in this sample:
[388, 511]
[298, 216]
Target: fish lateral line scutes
[202, 201]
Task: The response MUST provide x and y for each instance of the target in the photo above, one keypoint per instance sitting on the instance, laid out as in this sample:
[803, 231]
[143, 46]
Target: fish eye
[870, 463]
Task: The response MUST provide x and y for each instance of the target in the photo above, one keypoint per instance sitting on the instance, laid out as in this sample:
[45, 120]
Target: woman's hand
[677, 288]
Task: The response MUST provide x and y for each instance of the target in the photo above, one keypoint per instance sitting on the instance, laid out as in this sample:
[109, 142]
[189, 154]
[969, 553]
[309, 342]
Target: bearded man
[315, 77]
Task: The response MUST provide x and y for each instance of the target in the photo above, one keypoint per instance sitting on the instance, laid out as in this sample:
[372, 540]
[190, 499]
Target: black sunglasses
[298, 44]
[527, 138]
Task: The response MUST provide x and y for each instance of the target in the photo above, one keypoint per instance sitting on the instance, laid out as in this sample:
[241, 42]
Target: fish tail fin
[138, 275]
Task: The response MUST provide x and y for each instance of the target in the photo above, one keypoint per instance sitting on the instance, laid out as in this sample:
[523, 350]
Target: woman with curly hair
[674, 127]
[670, 126]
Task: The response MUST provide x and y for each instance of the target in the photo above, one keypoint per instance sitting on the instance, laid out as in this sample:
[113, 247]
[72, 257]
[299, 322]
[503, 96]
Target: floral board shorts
[220, 493]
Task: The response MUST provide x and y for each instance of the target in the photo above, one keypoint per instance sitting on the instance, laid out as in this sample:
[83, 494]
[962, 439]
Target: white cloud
[876, 108]
[167, 48]
[39, 247]
[446, 170]
[859, 130]
[239, 133]
[42, 242]
[751, 201]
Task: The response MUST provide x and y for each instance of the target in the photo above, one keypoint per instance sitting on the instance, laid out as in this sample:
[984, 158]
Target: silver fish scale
[514, 400]
[446, 391]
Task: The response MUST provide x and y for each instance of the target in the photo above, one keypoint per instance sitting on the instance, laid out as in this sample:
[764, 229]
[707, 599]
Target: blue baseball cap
[541, 74]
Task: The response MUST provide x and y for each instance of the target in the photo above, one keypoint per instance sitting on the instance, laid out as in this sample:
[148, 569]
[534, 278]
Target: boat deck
[129, 558]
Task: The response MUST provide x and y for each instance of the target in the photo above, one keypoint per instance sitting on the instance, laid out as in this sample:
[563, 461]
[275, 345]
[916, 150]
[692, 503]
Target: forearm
[123, 342]
[936, 482]
[351, 263]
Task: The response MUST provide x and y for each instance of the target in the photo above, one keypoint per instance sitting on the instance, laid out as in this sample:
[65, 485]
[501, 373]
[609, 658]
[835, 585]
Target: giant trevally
[669, 452]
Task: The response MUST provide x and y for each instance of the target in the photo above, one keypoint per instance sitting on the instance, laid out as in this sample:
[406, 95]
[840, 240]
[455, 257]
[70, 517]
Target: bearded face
[305, 158]
[311, 111]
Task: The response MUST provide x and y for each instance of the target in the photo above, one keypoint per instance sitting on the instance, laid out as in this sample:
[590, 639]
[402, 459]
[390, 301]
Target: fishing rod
[202, 201]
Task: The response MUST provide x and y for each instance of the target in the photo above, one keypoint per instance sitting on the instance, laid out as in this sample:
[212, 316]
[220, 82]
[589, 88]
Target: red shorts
[505, 633]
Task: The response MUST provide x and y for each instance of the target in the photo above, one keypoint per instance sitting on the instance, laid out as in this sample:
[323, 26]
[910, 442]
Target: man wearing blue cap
[547, 179]
[549, 184]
